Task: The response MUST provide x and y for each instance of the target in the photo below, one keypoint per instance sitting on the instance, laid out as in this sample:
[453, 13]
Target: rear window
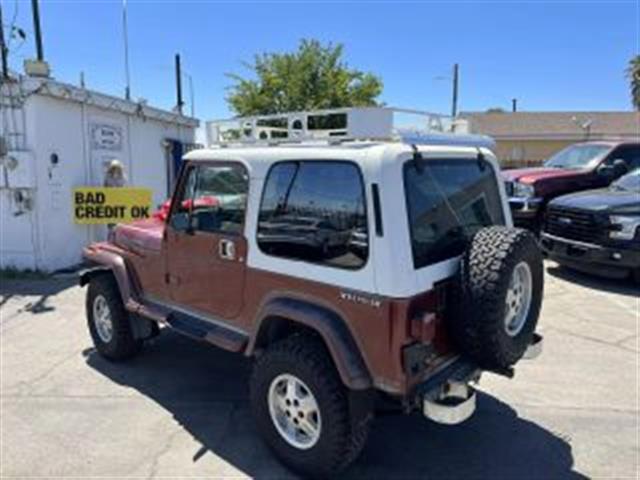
[315, 211]
[448, 200]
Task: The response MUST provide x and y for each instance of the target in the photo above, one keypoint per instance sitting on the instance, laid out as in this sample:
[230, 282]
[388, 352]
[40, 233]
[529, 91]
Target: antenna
[125, 35]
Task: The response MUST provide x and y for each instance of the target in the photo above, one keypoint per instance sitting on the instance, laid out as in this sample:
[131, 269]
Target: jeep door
[206, 249]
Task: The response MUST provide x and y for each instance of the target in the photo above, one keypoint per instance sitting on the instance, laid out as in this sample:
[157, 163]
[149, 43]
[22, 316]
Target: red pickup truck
[582, 166]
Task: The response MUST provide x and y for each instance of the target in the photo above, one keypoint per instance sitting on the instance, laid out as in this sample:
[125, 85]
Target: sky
[550, 55]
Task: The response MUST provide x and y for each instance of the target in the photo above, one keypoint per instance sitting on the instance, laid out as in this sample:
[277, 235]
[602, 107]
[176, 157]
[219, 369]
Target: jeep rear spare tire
[498, 296]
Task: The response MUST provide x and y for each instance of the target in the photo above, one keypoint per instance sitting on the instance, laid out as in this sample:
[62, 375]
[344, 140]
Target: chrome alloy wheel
[102, 318]
[294, 411]
[518, 299]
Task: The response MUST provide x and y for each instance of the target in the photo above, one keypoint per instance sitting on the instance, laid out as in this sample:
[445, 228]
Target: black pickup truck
[597, 231]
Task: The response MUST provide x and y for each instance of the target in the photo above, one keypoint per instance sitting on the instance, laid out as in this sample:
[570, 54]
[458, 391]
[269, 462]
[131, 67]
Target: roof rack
[344, 124]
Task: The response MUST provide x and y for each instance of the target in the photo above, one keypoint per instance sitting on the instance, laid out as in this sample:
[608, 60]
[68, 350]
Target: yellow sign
[103, 205]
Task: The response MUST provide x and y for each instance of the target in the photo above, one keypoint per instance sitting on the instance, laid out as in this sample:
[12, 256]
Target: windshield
[447, 202]
[630, 182]
[577, 156]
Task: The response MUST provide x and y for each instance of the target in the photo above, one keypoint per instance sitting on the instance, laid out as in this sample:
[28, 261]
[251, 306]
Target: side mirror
[620, 167]
[180, 221]
[605, 171]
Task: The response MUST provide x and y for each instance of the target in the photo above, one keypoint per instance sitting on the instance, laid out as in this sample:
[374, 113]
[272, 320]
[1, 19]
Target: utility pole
[35, 7]
[4, 50]
[514, 105]
[454, 100]
[179, 101]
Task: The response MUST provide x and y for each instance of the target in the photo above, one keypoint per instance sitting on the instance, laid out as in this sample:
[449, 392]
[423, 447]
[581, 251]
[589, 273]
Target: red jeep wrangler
[349, 269]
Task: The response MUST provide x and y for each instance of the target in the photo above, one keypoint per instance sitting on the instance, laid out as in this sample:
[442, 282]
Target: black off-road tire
[635, 276]
[477, 323]
[122, 345]
[340, 442]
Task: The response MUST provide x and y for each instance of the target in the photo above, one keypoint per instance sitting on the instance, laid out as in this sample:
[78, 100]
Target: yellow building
[528, 138]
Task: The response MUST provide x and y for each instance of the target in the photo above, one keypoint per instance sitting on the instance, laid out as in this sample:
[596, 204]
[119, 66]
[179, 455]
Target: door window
[213, 199]
[630, 154]
[315, 211]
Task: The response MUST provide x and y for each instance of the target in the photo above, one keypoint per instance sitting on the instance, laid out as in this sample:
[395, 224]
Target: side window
[213, 199]
[315, 211]
[630, 154]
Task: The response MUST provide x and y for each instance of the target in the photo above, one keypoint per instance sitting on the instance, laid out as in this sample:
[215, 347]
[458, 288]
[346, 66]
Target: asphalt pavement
[180, 409]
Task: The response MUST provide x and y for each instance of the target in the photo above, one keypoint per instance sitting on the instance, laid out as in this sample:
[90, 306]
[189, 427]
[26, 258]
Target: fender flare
[105, 261]
[331, 327]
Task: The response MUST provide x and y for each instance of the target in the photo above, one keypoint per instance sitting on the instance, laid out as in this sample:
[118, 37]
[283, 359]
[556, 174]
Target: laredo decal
[103, 205]
[361, 299]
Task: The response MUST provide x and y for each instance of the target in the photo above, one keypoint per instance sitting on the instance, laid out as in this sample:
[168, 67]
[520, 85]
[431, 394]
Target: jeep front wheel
[301, 409]
[108, 321]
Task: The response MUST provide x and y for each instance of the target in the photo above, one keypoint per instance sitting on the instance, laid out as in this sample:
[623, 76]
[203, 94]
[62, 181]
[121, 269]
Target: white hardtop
[368, 156]
[380, 151]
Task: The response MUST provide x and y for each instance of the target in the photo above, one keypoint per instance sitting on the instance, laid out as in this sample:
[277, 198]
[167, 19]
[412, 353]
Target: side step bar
[203, 330]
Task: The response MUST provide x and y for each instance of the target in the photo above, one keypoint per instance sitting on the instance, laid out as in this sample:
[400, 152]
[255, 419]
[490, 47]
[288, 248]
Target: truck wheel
[498, 296]
[109, 323]
[301, 408]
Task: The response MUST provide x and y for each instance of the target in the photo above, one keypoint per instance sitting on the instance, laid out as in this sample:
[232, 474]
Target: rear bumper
[592, 258]
[447, 397]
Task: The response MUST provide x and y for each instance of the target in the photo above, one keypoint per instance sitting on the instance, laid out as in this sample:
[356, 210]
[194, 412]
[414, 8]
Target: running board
[208, 331]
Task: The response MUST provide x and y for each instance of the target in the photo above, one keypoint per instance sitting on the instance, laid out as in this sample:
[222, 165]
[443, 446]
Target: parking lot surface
[181, 410]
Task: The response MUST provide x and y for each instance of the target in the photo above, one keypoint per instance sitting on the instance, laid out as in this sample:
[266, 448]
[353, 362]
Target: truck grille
[574, 224]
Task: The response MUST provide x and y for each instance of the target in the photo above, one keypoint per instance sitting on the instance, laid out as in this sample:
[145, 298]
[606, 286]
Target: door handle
[227, 249]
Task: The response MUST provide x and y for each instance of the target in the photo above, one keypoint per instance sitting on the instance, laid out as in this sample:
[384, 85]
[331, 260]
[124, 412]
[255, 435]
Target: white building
[54, 137]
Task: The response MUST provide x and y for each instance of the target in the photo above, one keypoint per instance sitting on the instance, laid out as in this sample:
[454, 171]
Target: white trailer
[54, 137]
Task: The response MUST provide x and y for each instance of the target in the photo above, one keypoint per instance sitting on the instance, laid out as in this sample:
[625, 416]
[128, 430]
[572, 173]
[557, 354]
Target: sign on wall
[106, 137]
[104, 205]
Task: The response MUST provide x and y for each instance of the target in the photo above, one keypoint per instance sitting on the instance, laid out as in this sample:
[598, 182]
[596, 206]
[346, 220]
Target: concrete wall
[46, 238]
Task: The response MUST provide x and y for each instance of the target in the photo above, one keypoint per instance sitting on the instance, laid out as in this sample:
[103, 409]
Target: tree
[633, 73]
[496, 110]
[313, 77]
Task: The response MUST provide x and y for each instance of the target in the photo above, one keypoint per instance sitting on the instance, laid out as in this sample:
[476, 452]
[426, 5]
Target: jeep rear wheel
[301, 408]
[108, 321]
[498, 296]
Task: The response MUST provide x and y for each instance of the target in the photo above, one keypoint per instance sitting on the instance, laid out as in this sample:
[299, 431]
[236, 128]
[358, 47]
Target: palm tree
[633, 73]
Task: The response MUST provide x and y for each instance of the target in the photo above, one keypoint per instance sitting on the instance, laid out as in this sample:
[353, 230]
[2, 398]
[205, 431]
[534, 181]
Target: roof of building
[555, 125]
[27, 85]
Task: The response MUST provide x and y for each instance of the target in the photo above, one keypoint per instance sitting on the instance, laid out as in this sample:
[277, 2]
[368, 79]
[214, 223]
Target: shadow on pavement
[41, 288]
[205, 389]
[603, 284]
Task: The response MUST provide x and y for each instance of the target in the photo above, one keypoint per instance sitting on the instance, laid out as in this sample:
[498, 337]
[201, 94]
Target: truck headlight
[625, 226]
[523, 190]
